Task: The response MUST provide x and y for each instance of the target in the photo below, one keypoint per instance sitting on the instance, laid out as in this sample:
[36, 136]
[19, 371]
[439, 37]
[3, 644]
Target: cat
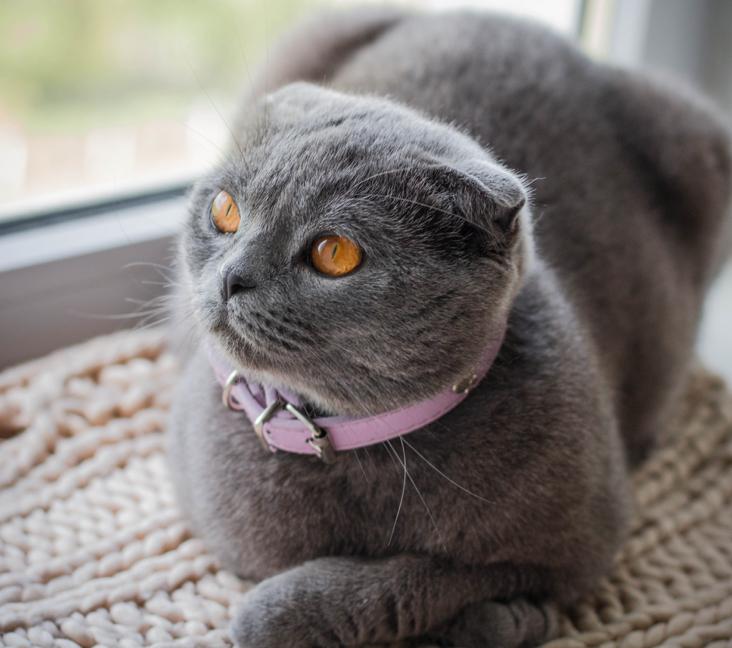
[499, 186]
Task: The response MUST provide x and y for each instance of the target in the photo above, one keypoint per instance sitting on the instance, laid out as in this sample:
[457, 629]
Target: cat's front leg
[334, 602]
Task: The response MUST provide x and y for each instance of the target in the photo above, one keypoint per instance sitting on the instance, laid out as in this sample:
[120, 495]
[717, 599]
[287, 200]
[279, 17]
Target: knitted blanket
[94, 552]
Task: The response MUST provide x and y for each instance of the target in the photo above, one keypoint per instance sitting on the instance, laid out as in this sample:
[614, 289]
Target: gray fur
[517, 499]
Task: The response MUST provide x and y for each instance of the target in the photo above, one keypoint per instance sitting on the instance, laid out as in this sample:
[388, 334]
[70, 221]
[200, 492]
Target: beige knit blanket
[94, 552]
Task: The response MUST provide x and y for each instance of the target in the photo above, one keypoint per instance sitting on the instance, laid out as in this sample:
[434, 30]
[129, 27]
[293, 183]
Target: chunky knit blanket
[94, 552]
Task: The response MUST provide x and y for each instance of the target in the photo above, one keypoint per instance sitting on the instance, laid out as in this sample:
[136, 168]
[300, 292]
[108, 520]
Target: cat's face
[440, 238]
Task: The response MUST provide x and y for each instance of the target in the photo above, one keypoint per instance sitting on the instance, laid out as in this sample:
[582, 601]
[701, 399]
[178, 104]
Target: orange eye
[335, 256]
[225, 213]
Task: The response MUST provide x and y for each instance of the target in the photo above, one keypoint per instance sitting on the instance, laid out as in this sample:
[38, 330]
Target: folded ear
[297, 100]
[482, 193]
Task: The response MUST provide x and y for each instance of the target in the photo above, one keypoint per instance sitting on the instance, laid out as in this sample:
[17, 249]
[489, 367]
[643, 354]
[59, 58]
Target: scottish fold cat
[403, 192]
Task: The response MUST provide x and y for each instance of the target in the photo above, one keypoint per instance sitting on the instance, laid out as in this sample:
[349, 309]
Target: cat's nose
[235, 283]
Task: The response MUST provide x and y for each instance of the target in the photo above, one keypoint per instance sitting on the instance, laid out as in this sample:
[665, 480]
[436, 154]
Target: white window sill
[63, 282]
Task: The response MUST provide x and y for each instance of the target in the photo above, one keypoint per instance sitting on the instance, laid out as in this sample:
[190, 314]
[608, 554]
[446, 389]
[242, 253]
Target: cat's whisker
[145, 302]
[370, 459]
[155, 310]
[403, 463]
[159, 267]
[419, 493]
[145, 264]
[442, 474]
[201, 87]
[151, 325]
[246, 62]
[150, 282]
[115, 316]
[205, 138]
[157, 305]
[360, 465]
[159, 318]
[267, 64]
[401, 498]
[539, 216]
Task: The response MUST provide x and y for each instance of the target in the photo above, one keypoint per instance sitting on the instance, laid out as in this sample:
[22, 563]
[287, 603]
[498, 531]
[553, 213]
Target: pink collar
[280, 423]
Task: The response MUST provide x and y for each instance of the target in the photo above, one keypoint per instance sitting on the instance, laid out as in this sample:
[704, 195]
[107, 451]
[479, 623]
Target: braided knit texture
[93, 551]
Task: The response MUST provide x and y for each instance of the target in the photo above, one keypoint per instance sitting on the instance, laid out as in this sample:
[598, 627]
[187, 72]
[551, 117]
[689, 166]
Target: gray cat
[493, 178]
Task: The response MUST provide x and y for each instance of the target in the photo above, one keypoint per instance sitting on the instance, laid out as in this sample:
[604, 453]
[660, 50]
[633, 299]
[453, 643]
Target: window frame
[64, 270]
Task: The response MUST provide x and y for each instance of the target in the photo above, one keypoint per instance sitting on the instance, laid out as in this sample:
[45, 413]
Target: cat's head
[434, 240]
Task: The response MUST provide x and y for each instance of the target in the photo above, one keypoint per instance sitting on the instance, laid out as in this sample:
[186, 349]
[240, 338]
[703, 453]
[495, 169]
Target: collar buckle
[267, 413]
[318, 440]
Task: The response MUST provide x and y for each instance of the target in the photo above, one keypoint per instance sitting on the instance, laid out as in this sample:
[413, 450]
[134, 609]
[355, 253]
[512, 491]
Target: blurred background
[120, 95]
[110, 108]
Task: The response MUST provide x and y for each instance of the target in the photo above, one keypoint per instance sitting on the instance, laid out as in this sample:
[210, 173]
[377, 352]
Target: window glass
[107, 97]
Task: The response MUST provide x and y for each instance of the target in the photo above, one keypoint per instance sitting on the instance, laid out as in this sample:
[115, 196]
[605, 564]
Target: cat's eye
[225, 213]
[335, 256]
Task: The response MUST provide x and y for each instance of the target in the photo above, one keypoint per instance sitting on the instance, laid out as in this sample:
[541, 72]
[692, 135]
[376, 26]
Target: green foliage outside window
[81, 63]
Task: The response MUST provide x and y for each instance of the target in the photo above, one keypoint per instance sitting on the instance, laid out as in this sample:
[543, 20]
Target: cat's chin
[257, 367]
[243, 355]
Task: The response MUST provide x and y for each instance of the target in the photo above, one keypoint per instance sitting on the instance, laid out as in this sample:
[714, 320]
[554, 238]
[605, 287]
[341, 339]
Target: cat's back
[492, 75]
[630, 179]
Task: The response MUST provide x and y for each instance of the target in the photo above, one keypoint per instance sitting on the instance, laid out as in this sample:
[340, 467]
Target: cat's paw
[280, 612]
[490, 624]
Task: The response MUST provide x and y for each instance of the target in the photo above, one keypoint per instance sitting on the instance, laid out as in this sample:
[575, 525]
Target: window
[107, 98]
[110, 108]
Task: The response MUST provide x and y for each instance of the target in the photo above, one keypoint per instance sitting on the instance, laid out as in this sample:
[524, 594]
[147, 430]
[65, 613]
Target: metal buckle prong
[228, 386]
[318, 437]
[267, 413]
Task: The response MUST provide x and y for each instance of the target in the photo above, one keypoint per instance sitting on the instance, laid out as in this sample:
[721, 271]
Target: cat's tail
[315, 48]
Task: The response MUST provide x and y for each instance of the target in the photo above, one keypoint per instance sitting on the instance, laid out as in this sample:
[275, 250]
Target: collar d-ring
[227, 387]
